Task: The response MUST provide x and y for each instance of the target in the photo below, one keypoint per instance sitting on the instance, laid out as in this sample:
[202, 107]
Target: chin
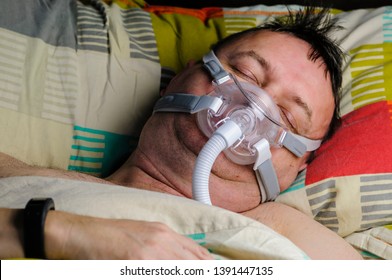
[237, 200]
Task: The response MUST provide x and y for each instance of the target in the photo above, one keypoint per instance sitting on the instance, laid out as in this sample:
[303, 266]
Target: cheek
[286, 166]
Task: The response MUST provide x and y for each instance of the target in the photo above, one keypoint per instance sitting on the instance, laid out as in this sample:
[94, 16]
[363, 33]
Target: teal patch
[299, 183]
[99, 153]
[198, 237]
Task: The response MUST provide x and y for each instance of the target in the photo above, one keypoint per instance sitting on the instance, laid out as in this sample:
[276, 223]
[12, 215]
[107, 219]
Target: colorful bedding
[79, 78]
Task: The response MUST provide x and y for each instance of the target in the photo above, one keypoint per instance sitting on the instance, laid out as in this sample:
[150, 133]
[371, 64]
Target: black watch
[34, 226]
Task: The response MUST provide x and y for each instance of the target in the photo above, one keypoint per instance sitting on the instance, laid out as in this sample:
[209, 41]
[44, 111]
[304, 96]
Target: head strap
[215, 68]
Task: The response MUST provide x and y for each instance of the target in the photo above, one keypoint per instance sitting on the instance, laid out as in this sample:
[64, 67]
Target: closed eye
[288, 119]
[250, 77]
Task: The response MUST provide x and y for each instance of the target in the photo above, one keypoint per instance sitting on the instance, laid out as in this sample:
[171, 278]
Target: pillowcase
[348, 186]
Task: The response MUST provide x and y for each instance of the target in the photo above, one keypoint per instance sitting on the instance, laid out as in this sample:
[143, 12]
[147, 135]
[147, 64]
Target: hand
[69, 236]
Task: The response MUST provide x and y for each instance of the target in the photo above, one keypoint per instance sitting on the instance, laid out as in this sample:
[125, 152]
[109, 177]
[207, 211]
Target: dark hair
[314, 26]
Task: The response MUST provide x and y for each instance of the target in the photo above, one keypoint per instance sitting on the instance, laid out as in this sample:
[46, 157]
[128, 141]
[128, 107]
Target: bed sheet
[225, 234]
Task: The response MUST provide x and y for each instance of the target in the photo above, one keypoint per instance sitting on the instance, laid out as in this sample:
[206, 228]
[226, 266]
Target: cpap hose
[225, 136]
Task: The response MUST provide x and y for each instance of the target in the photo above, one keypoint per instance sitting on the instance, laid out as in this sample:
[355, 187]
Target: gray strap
[215, 68]
[266, 177]
[187, 103]
[297, 144]
[265, 172]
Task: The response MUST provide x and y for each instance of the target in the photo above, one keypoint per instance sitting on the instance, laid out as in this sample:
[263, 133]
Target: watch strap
[34, 225]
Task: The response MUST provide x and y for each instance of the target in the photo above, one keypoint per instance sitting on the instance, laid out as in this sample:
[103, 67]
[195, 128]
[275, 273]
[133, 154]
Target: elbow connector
[224, 137]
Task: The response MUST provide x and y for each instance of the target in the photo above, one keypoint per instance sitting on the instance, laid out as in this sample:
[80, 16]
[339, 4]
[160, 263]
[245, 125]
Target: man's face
[279, 64]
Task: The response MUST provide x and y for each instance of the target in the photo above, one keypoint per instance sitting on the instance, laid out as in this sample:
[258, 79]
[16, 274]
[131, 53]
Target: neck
[140, 172]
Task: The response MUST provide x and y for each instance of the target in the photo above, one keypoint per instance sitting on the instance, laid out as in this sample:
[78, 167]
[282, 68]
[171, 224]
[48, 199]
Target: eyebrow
[264, 63]
[304, 106]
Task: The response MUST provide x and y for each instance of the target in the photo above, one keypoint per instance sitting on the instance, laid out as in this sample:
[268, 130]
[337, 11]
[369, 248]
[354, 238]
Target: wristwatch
[34, 226]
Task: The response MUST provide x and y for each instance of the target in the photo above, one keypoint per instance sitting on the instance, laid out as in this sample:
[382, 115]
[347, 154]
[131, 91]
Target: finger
[195, 250]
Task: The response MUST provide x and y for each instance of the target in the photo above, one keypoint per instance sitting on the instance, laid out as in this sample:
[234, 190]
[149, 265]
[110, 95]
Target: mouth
[193, 140]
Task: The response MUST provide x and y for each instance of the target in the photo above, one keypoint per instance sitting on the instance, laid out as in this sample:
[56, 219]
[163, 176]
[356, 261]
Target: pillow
[72, 93]
[79, 102]
[348, 186]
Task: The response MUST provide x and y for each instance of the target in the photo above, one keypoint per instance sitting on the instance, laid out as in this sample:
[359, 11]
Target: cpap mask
[241, 120]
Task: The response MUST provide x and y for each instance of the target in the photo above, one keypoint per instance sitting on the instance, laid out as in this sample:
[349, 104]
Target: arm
[69, 236]
[10, 167]
[313, 238]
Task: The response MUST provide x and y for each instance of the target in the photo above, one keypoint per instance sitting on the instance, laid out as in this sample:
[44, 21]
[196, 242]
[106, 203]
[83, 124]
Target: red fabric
[363, 145]
[202, 14]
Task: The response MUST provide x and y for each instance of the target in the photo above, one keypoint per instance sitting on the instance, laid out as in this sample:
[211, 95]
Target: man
[292, 73]
[298, 66]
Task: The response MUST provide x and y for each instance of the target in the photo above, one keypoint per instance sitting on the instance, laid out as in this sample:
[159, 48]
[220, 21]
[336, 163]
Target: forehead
[291, 73]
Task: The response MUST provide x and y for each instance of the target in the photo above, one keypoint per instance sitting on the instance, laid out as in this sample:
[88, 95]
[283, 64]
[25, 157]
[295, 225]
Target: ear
[303, 166]
[304, 161]
[190, 63]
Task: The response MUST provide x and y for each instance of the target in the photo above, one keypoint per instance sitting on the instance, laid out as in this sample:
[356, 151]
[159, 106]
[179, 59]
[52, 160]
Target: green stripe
[89, 149]
[367, 254]
[293, 188]
[86, 159]
[299, 183]
[90, 130]
[197, 236]
[84, 169]
[88, 139]
[103, 132]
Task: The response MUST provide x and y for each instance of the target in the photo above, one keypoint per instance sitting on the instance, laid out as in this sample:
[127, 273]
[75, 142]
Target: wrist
[64, 238]
[56, 234]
